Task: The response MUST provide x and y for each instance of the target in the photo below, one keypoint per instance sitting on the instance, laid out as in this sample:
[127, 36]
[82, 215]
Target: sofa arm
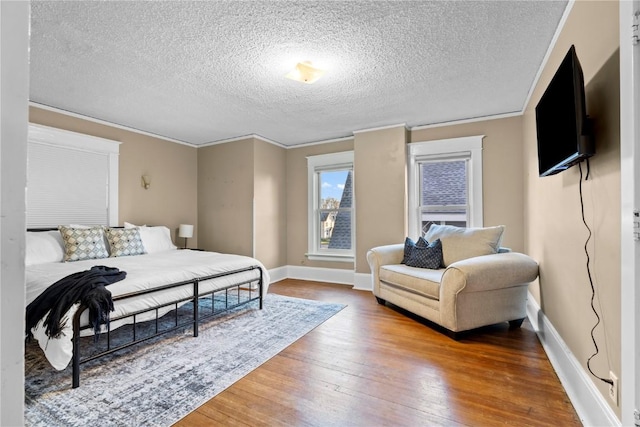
[383, 255]
[489, 272]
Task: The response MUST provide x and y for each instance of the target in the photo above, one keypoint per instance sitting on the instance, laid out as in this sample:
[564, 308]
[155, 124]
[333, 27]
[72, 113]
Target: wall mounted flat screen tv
[564, 131]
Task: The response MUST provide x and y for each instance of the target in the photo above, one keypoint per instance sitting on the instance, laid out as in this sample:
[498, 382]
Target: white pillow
[43, 247]
[460, 243]
[129, 225]
[154, 239]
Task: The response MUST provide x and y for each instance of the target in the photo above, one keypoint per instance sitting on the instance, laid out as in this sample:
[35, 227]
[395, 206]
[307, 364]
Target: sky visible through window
[332, 184]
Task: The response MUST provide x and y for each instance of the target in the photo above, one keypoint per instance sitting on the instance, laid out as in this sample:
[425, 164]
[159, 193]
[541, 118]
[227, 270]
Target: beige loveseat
[479, 283]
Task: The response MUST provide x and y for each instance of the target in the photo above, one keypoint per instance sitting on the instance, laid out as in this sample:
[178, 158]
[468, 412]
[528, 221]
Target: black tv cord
[593, 290]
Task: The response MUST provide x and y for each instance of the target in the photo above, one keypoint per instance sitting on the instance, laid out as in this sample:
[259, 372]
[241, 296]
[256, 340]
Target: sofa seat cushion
[418, 280]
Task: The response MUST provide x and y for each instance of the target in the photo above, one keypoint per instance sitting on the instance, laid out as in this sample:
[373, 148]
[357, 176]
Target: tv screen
[562, 125]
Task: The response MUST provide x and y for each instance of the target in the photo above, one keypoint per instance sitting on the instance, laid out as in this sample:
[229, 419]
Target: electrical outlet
[613, 388]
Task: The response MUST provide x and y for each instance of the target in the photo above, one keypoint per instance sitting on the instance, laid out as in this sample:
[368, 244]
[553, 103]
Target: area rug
[158, 382]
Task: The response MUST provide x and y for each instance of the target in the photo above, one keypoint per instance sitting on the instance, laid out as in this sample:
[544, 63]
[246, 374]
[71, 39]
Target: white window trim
[418, 151]
[314, 163]
[39, 134]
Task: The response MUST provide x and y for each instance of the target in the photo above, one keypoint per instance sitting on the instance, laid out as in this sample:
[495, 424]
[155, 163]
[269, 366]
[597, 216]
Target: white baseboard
[359, 281]
[330, 275]
[362, 282]
[589, 403]
[277, 274]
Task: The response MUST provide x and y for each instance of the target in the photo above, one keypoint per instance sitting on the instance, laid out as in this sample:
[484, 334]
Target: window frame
[316, 165]
[445, 149]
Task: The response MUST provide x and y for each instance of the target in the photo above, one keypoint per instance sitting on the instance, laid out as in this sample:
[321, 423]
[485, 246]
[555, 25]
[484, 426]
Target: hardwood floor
[373, 365]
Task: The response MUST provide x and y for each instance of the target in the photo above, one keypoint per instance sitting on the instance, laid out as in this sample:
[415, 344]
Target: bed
[161, 280]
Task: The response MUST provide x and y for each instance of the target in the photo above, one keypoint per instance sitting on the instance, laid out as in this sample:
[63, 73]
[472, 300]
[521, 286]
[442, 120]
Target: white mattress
[143, 272]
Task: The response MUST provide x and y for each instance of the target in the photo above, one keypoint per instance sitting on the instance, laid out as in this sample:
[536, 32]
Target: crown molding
[106, 123]
[552, 46]
[243, 137]
[270, 141]
[404, 125]
[326, 141]
[464, 121]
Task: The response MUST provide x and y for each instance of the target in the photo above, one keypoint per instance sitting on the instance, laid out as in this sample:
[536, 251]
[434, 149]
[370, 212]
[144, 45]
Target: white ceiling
[200, 72]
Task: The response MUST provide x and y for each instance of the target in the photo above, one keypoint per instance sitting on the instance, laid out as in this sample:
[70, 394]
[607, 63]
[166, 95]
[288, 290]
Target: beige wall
[380, 174]
[270, 187]
[296, 160]
[555, 234]
[380, 190]
[225, 197]
[502, 178]
[172, 198]
[242, 200]
[212, 188]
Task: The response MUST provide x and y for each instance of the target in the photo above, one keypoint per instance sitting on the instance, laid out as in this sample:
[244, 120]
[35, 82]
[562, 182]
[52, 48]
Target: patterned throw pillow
[83, 243]
[426, 257]
[410, 244]
[124, 241]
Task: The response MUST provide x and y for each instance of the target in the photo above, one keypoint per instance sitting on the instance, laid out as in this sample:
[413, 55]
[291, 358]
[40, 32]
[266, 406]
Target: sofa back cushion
[462, 243]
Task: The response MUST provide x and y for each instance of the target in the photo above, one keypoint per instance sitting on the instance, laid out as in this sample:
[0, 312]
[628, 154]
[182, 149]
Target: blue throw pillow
[426, 257]
[410, 244]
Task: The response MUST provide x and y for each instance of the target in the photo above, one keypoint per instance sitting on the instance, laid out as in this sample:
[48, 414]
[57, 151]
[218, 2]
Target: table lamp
[185, 231]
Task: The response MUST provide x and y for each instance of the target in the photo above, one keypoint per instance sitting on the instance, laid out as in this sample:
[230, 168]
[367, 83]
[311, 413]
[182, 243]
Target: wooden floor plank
[374, 365]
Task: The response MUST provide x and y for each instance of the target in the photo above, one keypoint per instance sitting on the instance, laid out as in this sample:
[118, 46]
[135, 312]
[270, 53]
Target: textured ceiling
[200, 72]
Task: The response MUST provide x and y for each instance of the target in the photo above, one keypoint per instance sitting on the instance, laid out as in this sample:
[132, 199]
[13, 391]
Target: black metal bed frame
[77, 360]
[195, 296]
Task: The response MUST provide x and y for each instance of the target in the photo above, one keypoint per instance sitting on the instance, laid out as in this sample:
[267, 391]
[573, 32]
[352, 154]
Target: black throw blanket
[86, 287]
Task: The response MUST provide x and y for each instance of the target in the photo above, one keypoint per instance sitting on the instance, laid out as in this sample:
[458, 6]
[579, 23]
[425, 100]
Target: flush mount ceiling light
[304, 72]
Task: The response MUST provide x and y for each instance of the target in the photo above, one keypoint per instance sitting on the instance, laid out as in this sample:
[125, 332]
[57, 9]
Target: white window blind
[70, 179]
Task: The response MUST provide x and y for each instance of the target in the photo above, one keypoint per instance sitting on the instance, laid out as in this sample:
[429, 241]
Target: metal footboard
[231, 295]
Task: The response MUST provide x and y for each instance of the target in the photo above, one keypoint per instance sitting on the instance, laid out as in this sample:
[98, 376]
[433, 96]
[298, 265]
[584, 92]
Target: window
[72, 178]
[443, 192]
[445, 183]
[331, 214]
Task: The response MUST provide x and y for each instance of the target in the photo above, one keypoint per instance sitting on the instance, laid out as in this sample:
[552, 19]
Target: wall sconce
[185, 231]
[146, 181]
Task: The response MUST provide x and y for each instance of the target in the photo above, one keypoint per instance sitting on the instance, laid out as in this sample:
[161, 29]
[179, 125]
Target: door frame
[630, 201]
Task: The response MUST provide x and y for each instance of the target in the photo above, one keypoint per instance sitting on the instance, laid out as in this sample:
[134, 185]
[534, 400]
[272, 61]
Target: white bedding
[143, 272]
